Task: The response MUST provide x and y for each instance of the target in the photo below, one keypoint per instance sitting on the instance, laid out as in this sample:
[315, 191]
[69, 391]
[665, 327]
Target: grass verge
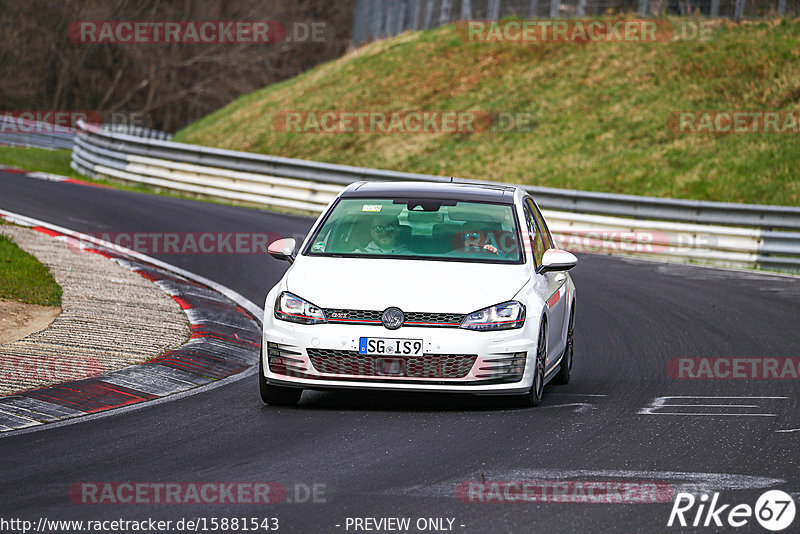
[38, 159]
[24, 279]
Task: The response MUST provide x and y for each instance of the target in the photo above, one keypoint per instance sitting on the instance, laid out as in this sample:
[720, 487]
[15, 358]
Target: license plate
[396, 347]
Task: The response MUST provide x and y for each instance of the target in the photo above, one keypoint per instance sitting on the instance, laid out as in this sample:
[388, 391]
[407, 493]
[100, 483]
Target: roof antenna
[451, 179]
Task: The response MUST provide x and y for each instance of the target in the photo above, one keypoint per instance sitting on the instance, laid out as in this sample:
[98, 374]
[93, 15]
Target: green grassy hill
[601, 111]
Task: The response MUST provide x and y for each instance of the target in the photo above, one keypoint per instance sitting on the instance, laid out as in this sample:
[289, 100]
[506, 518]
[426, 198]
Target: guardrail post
[781, 7]
[714, 13]
[739, 12]
[581, 8]
[466, 10]
[644, 5]
[533, 6]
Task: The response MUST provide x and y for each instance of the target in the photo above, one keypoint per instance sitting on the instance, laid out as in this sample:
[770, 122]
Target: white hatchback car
[429, 287]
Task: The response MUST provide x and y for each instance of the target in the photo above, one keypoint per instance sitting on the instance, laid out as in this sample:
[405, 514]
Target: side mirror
[557, 260]
[283, 249]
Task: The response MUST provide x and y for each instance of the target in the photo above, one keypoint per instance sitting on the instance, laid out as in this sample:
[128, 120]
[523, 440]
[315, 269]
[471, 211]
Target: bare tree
[173, 84]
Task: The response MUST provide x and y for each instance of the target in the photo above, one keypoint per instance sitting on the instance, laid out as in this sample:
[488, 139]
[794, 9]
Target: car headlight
[503, 316]
[292, 308]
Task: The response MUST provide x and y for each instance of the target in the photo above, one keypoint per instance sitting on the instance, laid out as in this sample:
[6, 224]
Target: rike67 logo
[774, 510]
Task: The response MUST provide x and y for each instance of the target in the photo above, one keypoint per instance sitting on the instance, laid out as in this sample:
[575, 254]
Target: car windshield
[419, 229]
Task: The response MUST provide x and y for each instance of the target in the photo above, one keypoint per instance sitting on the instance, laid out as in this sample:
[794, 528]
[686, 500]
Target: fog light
[281, 361]
[509, 368]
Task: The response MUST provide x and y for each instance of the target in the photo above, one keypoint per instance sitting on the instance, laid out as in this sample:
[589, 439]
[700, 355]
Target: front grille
[348, 362]
[353, 316]
[434, 319]
[373, 318]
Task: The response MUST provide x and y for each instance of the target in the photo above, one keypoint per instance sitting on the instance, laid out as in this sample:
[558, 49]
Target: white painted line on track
[47, 176]
[716, 397]
[712, 405]
[689, 482]
[683, 480]
[714, 414]
[787, 430]
[729, 408]
[579, 406]
[576, 395]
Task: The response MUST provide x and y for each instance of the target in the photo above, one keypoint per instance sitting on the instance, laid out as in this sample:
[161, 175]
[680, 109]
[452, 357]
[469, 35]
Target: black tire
[566, 360]
[276, 395]
[534, 396]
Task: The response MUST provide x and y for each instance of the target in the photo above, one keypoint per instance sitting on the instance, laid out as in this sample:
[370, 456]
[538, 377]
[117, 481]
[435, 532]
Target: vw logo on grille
[393, 318]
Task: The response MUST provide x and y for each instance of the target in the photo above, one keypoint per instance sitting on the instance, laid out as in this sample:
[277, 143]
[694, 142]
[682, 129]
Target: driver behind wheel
[474, 238]
[386, 237]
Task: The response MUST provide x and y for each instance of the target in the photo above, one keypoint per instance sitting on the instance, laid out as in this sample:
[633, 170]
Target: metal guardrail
[138, 131]
[739, 235]
[15, 131]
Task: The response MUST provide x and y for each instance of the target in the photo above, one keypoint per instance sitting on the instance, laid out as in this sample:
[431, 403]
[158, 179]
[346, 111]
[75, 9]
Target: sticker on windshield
[372, 207]
[319, 246]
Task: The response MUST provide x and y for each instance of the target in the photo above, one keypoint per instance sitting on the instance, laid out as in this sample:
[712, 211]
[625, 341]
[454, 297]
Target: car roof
[502, 194]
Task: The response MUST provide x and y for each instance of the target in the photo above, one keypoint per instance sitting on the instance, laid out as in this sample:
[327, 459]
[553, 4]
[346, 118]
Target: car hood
[411, 285]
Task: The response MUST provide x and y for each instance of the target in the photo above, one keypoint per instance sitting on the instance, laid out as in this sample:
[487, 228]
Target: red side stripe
[88, 184]
[183, 303]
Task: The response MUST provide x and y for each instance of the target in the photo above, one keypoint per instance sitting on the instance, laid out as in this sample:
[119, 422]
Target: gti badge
[393, 318]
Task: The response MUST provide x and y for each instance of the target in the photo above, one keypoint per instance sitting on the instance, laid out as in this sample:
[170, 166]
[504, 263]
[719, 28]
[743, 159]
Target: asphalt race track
[400, 455]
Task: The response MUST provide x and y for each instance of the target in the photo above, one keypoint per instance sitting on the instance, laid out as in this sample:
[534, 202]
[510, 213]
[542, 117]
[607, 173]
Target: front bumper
[491, 350]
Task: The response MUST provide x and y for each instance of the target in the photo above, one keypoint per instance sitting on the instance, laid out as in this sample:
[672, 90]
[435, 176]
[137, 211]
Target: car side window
[547, 238]
[534, 239]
